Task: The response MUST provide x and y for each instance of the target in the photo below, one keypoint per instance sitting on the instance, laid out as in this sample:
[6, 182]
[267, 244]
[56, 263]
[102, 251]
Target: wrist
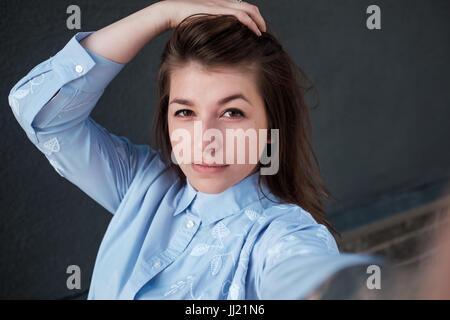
[161, 14]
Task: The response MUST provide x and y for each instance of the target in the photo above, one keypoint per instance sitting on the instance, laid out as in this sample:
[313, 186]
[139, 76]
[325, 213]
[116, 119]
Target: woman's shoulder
[287, 213]
[288, 228]
[287, 221]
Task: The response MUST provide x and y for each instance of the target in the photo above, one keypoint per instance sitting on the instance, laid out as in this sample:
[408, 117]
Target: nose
[210, 142]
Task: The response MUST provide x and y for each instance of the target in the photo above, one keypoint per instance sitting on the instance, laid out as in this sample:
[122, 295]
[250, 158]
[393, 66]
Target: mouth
[209, 168]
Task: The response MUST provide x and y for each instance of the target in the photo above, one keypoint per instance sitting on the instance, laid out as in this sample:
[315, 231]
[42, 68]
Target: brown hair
[222, 40]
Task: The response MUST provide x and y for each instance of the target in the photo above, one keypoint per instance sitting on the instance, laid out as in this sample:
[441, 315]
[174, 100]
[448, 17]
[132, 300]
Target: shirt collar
[212, 207]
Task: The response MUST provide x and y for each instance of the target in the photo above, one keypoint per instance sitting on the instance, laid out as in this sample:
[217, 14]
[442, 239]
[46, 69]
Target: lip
[207, 168]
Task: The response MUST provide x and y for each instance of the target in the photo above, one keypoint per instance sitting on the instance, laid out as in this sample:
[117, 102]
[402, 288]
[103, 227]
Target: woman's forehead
[195, 72]
[193, 82]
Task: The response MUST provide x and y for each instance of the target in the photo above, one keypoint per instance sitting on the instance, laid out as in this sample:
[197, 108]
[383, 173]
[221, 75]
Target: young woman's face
[195, 110]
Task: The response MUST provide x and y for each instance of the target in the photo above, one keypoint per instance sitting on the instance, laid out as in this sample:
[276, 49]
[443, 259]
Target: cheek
[246, 149]
[181, 140]
[175, 129]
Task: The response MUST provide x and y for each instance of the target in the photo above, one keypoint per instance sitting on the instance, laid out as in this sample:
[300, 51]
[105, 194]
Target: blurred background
[381, 131]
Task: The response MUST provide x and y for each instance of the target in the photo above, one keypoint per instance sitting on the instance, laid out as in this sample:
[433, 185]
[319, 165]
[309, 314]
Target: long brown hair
[222, 40]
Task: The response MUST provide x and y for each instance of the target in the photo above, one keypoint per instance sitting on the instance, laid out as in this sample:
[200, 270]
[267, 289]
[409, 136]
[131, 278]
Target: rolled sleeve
[99, 162]
[294, 260]
[74, 61]
[73, 66]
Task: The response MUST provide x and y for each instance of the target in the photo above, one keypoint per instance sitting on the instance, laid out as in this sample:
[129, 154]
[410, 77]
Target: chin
[215, 183]
[208, 186]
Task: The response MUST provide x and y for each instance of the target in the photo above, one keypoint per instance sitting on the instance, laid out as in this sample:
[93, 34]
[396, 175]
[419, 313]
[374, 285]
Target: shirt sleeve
[293, 260]
[100, 163]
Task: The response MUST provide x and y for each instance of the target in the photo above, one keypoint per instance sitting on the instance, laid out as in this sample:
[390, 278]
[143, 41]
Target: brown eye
[183, 115]
[234, 113]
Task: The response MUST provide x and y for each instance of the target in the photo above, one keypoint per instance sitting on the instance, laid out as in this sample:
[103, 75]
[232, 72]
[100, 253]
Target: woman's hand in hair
[247, 13]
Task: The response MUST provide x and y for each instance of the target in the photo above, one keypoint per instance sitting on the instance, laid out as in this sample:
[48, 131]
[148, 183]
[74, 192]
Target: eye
[183, 110]
[235, 111]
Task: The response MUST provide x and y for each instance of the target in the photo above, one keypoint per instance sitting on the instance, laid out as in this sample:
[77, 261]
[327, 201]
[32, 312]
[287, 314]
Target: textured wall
[382, 123]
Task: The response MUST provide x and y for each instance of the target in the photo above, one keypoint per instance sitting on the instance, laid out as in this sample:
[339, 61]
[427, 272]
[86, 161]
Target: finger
[246, 20]
[252, 11]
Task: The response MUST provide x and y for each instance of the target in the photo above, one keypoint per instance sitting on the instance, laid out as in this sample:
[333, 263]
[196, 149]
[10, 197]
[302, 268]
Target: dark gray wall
[382, 124]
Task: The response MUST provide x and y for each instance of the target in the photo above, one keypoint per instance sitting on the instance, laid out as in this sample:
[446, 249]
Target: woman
[202, 227]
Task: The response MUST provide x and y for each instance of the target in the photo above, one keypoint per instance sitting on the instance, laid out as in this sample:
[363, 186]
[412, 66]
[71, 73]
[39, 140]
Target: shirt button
[190, 224]
[157, 264]
[79, 69]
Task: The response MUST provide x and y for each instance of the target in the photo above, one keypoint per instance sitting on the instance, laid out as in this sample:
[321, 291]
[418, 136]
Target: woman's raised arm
[122, 40]
[53, 102]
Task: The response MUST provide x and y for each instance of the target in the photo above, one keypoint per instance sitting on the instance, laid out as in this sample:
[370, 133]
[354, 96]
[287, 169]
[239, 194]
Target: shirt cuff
[75, 64]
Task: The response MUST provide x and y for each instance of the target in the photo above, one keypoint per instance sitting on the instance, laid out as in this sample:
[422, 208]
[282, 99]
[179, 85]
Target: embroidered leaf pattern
[179, 285]
[52, 145]
[220, 231]
[274, 252]
[175, 287]
[303, 251]
[21, 93]
[215, 265]
[281, 207]
[200, 249]
[323, 234]
[261, 220]
[37, 80]
[251, 214]
[290, 238]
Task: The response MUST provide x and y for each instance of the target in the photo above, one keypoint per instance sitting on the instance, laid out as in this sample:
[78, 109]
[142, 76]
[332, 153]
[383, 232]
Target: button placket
[190, 224]
[157, 264]
[79, 68]
[184, 235]
[187, 229]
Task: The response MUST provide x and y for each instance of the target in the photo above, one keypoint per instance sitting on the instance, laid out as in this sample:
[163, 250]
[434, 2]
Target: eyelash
[231, 109]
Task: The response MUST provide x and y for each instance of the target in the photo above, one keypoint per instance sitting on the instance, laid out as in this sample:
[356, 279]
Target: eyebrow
[221, 101]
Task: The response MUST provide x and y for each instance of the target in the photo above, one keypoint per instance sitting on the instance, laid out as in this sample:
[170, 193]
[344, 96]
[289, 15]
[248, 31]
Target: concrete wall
[381, 127]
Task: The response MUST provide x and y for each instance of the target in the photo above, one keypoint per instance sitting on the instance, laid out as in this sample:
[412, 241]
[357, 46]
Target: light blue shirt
[166, 241]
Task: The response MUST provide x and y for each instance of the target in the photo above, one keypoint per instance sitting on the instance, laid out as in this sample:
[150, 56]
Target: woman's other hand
[248, 14]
